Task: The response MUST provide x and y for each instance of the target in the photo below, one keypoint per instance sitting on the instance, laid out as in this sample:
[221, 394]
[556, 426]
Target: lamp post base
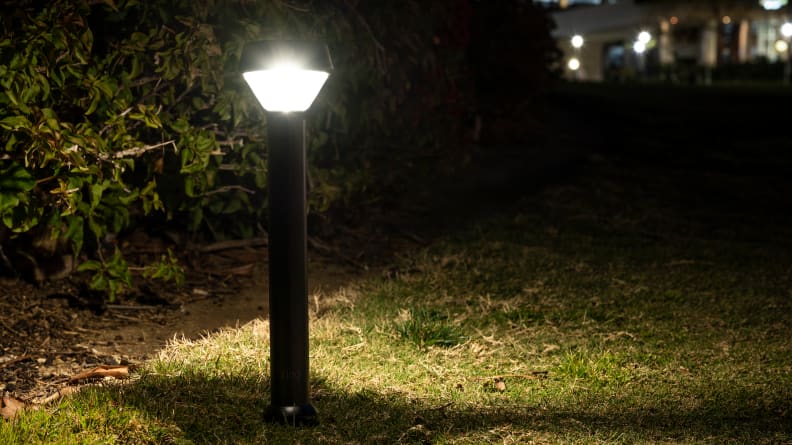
[297, 415]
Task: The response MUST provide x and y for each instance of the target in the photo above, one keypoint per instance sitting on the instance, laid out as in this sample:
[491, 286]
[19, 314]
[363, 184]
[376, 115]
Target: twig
[441, 407]
[295, 7]
[59, 394]
[9, 328]
[532, 375]
[122, 307]
[316, 244]
[137, 151]
[16, 360]
[229, 188]
[230, 244]
[380, 48]
[413, 237]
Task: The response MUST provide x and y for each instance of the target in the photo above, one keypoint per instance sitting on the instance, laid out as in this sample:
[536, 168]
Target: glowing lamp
[781, 46]
[573, 64]
[639, 47]
[786, 30]
[577, 41]
[285, 76]
[644, 37]
[772, 5]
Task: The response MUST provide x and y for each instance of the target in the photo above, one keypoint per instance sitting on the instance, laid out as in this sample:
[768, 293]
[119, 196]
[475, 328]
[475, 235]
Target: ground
[49, 333]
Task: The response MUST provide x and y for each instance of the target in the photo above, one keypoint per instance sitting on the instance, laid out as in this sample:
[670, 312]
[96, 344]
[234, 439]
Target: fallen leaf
[10, 407]
[550, 348]
[500, 385]
[119, 372]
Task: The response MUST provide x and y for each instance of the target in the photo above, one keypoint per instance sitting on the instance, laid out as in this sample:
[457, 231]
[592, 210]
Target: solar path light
[285, 77]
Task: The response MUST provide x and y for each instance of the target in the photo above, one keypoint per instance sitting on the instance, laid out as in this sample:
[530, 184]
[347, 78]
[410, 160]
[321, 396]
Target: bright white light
[573, 64]
[786, 30]
[644, 37]
[577, 41]
[772, 5]
[286, 87]
[781, 46]
[639, 47]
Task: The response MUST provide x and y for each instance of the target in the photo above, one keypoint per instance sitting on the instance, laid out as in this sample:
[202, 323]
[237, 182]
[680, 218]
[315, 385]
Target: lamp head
[285, 75]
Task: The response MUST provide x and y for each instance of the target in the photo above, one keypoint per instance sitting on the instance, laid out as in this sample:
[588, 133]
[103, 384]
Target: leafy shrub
[117, 112]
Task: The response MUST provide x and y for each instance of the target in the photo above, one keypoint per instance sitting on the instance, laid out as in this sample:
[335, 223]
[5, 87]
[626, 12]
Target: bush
[119, 112]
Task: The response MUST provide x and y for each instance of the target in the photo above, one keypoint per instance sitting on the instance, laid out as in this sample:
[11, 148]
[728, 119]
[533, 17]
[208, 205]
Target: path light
[577, 41]
[285, 77]
[781, 46]
[786, 30]
[573, 64]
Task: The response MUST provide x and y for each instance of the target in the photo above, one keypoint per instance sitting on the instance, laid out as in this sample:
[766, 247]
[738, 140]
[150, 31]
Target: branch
[380, 48]
[295, 7]
[229, 188]
[137, 151]
[231, 244]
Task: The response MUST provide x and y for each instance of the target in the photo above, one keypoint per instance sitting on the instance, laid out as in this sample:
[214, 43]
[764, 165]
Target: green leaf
[16, 177]
[74, 234]
[8, 201]
[15, 123]
[89, 265]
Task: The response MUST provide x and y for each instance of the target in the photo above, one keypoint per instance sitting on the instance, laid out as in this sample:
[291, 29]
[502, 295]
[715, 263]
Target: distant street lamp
[639, 46]
[574, 62]
[786, 32]
[285, 77]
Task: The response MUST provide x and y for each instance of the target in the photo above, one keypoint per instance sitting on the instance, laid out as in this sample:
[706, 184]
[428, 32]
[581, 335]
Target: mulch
[49, 333]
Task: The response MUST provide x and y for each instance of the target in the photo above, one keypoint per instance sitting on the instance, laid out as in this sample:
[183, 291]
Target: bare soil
[51, 332]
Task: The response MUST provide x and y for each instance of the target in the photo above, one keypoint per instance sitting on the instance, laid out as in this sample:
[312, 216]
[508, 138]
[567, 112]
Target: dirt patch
[51, 332]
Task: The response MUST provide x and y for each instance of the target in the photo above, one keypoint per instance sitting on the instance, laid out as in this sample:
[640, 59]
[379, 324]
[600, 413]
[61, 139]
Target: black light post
[286, 76]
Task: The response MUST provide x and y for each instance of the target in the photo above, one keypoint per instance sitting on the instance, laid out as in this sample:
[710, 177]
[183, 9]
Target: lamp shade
[285, 75]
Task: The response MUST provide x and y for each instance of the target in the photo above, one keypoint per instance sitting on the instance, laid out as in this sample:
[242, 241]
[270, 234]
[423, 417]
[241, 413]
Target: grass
[629, 305]
[563, 320]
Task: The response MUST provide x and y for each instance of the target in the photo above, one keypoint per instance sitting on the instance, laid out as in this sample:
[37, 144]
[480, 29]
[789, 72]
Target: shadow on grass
[229, 410]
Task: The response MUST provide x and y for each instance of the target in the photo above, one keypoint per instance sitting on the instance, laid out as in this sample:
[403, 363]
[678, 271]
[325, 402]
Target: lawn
[630, 303]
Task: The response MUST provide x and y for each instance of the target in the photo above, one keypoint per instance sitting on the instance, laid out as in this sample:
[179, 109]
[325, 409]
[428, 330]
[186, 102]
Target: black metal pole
[288, 288]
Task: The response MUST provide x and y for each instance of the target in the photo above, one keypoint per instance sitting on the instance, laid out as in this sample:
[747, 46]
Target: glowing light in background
[573, 64]
[786, 30]
[772, 5]
[577, 41]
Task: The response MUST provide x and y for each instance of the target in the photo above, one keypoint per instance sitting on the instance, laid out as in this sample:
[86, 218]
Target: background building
[678, 41]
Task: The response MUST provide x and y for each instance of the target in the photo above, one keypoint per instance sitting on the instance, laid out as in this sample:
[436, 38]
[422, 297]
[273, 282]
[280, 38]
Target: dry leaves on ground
[116, 371]
[10, 406]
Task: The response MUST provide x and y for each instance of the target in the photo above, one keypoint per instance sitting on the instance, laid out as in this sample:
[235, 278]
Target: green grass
[605, 311]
